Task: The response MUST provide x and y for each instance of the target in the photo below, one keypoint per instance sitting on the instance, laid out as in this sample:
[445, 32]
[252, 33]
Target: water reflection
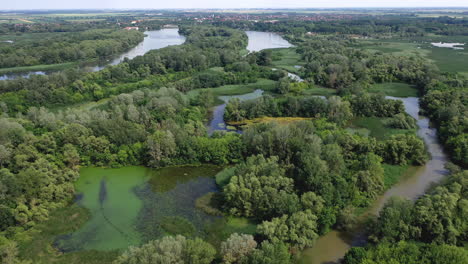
[265, 40]
[217, 121]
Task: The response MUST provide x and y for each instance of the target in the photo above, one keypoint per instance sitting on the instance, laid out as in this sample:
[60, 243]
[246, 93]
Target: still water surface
[217, 121]
[128, 205]
[265, 40]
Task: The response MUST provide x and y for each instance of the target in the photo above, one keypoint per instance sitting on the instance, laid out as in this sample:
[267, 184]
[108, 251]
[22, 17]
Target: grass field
[395, 173]
[286, 58]
[377, 128]
[322, 91]
[235, 89]
[44, 67]
[30, 37]
[394, 89]
[446, 59]
[450, 60]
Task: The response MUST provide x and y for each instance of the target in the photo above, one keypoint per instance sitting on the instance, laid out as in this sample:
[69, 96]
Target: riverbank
[156, 39]
[331, 247]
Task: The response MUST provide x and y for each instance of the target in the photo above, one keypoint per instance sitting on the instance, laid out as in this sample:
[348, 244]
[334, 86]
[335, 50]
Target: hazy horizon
[216, 4]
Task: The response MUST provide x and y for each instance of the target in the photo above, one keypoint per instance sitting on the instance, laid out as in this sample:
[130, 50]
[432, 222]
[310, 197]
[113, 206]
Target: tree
[340, 111]
[169, 250]
[199, 252]
[298, 229]
[5, 154]
[71, 156]
[313, 202]
[260, 189]
[395, 222]
[161, 146]
[403, 149]
[237, 247]
[9, 253]
[270, 253]
[282, 86]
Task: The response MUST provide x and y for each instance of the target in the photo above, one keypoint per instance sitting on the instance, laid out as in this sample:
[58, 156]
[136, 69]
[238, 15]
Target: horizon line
[237, 8]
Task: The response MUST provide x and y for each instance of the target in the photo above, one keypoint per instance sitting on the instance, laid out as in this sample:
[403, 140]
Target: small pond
[456, 46]
[217, 121]
[130, 205]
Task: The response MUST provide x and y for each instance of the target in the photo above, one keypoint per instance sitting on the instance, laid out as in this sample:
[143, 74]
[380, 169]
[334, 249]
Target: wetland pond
[131, 205]
[217, 121]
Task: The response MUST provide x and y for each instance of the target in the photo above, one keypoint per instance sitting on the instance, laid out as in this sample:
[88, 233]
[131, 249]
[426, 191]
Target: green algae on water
[128, 205]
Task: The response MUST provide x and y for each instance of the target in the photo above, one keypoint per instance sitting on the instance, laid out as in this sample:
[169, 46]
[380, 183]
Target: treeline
[400, 26]
[69, 47]
[334, 108]
[426, 231]
[242, 249]
[333, 63]
[446, 103]
[55, 27]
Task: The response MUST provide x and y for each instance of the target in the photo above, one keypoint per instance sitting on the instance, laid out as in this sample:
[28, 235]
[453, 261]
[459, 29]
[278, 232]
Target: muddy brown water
[331, 247]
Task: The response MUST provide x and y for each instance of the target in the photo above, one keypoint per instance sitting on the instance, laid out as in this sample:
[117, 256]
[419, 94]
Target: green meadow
[394, 89]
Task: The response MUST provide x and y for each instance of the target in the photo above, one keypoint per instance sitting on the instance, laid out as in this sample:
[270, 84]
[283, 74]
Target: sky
[162, 4]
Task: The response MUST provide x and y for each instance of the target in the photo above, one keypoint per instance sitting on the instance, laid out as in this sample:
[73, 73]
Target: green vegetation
[207, 204]
[238, 89]
[377, 127]
[223, 177]
[319, 91]
[286, 59]
[394, 89]
[48, 67]
[38, 243]
[435, 221]
[176, 225]
[395, 173]
[304, 165]
[100, 190]
[449, 60]
[169, 249]
[68, 47]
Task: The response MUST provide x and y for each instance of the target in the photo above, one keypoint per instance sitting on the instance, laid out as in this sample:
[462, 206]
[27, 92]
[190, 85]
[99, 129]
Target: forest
[299, 165]
[67, 47]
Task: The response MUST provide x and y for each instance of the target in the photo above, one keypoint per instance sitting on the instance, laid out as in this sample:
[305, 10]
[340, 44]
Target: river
[331, 247]
[265, 40]
[155, 39]
[257, 41]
